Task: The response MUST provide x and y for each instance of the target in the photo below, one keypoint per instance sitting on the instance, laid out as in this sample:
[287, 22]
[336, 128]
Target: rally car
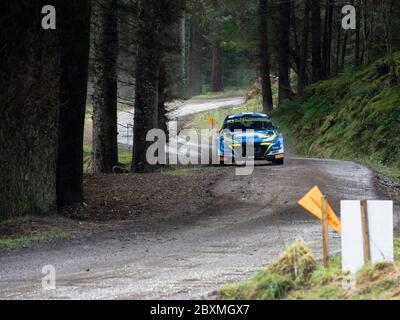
[250, 135]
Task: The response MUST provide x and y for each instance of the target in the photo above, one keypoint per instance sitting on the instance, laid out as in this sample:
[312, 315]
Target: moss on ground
[23, 239]
[312, 281]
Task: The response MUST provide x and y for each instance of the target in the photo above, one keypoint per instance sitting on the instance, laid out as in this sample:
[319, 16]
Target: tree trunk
[162, 87]
[195, 57]
[184, 55]
[357, 40]
[105, 95]
[301, 80]
[29, 104]
[147, 78]
[327, 39]
[316, 40]
[283, 50]
[264, 57]
[338, 45]
[366, 31]
[344, 50]
[74, 34]
[387, 8]
[345, 41]
[217, 83]
[395, 41]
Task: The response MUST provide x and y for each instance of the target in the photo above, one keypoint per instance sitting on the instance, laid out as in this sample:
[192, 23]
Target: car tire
[279, 162]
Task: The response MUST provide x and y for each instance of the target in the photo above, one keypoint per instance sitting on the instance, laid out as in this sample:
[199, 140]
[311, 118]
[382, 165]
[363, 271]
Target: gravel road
[246, 226]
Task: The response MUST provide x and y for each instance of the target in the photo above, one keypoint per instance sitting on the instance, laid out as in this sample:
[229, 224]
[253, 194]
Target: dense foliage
[355, 115]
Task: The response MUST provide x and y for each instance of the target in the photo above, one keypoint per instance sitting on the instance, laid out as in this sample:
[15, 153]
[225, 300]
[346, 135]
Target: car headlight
[277, 147]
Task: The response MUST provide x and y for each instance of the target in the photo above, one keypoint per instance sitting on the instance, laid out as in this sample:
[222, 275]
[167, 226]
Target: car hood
[256, 136]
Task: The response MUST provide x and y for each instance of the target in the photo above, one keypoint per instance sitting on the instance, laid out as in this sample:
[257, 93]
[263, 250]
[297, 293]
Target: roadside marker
[312, 202]
[317, 204]
[211, 122]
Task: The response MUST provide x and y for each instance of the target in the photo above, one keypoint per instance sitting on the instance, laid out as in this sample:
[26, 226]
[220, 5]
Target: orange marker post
[325, 235]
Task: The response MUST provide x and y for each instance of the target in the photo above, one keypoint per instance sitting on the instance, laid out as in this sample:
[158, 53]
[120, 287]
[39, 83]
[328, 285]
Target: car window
[256, 125]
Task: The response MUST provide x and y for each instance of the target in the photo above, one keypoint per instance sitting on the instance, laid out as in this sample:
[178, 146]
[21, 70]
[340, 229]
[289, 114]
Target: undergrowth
[355, 116]
[296, 275]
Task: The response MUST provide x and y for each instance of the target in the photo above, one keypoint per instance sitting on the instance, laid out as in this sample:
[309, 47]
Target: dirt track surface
[242, 226]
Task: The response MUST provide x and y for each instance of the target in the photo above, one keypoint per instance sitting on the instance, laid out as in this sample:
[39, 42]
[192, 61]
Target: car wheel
[279, 162]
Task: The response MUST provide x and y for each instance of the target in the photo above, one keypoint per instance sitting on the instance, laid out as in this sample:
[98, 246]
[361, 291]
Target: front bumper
[262, 151]
[275, 157]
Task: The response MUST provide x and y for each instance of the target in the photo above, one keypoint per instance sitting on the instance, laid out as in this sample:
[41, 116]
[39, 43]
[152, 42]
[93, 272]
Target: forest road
[177, 111]
[248, 223]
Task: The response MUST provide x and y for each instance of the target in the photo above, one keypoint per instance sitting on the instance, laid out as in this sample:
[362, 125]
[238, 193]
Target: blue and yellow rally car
[250, 135]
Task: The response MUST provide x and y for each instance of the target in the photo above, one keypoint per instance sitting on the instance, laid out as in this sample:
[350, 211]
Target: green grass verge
[295, 275]
[124, 157]
[200, 121]
[253, 104]
[180, 170]
[51, 233]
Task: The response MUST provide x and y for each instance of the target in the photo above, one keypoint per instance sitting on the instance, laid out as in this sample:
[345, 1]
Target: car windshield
[256, 125]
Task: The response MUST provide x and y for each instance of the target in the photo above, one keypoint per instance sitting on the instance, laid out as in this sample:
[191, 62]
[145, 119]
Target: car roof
[248, 115]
